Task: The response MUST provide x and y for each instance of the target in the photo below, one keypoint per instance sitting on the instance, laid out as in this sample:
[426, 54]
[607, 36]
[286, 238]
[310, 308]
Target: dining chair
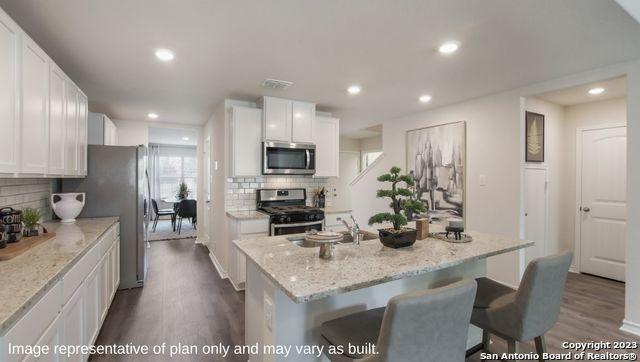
[163, 212]
[523, 314]
[430, 325]
[186, 209]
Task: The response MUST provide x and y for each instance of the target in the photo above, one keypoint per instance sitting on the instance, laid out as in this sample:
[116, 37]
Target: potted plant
[31, 221]
[402, 203]
[183, 191]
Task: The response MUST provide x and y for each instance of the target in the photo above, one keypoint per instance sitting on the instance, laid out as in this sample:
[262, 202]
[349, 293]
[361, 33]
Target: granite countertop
[303, 276]
[336, 210]
[25, 278]
[247, 215]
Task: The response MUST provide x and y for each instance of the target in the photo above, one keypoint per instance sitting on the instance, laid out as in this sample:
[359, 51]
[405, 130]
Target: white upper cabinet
[326, 135]
[71, 131]
[102, 131]
[82, 134]
[246, 129]
[9, 111]
[304, 115]
[277, 119]
[57, 103]
[35, 102]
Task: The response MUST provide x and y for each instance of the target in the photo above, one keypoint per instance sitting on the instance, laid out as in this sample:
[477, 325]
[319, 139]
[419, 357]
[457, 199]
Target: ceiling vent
[276, 84]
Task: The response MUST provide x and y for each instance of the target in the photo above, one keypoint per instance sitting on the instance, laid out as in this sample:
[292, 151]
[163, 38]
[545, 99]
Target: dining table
[176, 203]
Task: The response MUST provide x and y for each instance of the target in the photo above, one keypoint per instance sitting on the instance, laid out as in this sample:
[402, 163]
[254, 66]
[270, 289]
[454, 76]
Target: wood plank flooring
[184, 300]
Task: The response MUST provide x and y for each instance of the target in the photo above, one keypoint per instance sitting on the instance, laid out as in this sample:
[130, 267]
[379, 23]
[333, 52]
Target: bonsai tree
[403, 202]
[183, 190]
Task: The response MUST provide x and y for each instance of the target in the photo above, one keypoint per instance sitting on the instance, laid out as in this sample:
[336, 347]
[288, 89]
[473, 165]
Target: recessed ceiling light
[449, 47]
[165, 55]
[596, 91]
[185, 138]
[354, 89]
[153, 116]
[425, 98]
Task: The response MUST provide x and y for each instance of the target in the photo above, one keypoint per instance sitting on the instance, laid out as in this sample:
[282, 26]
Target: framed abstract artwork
[436, 159]
[534, 135]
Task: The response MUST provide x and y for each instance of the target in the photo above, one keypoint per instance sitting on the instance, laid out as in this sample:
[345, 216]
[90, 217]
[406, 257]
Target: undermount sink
[300, 241]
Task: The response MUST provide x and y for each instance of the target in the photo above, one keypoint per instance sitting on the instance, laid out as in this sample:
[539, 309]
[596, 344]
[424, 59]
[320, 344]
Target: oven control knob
[282, 219]
[311, 217]
[288, 219]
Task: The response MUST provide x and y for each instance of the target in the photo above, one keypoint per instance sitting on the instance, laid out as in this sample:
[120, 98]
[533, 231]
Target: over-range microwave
[281, 158]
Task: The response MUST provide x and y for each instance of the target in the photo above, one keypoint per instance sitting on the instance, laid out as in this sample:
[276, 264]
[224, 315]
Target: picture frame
[534, 137]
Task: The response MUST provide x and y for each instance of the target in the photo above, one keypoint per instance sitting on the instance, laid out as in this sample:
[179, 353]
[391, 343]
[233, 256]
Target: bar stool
[429, 325]
[527, 313]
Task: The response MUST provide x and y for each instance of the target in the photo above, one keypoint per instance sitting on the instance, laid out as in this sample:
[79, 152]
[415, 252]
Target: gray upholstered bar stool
[527, 313]
[429, 325]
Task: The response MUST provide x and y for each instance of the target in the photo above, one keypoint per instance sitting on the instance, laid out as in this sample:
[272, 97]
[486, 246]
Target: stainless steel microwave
[280, 158]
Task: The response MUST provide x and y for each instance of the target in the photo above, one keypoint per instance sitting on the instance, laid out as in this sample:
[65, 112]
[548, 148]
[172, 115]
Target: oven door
[295, 228]
[288, 159]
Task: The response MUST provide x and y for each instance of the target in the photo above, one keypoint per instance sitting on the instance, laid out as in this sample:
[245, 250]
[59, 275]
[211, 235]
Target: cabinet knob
[586, 209]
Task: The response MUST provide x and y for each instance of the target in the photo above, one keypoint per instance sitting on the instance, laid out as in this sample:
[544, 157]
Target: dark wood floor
[184, 300]
[592, 310]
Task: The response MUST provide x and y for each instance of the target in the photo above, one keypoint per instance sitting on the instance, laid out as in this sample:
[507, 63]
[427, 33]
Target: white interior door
[603, 212]
[535, 211]
[207, 189]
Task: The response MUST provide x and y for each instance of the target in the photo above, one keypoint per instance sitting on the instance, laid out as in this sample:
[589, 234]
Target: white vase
[68, 207]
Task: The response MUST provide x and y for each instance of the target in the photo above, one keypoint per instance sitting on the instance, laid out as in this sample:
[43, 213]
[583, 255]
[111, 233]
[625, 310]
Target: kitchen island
[290, 292]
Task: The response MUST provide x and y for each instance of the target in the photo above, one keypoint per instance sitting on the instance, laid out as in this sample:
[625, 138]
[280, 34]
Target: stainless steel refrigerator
[117, 184]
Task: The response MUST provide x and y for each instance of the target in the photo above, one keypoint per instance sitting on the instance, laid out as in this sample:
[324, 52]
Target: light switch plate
[482, 180]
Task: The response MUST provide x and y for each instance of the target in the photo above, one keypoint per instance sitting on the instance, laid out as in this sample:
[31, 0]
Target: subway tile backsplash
[20, 193]
[241, 191]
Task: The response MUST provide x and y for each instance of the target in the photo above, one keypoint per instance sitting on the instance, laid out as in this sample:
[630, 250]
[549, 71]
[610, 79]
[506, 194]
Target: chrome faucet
[353, 230]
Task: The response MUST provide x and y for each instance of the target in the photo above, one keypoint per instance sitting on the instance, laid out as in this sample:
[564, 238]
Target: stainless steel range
[288, 213]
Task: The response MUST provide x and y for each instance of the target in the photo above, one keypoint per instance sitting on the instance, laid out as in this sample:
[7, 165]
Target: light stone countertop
[303, 276]
[333, 210]
[25, 278]
[247, 215]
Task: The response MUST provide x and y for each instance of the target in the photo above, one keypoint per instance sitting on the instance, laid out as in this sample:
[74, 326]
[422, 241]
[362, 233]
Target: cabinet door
[71, 131]
[82, 134]
[9, 105]
[90, 306]
[51, 337]
[115, 268]
[247, 146]
[57, 99]
[103, 287]
[326, 134]
[304, 115]
[73, 324]
[277, 119]
[35, 102]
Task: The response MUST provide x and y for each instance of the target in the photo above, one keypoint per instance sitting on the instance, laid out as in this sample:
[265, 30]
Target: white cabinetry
[9, 100]
[326, 136]
[243, 229]
[246, 147]
[102, 130]
[57, 100]
[34, 110]
[285, 120]
[42, 113]
[72, 311]
[304, 115]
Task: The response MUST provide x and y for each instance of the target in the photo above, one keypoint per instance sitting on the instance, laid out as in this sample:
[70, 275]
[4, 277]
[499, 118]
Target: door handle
[586, 209]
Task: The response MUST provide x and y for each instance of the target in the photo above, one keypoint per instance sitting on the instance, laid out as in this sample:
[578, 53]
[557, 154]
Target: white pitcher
[68, 207]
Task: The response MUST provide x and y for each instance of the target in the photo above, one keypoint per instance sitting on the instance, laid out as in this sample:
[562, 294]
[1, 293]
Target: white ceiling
[173, 136]
[227, 48]
[368, 132]
[613, 88]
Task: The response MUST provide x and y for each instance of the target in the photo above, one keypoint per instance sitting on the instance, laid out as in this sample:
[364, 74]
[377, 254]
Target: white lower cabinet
[72, 311]
[243, 229]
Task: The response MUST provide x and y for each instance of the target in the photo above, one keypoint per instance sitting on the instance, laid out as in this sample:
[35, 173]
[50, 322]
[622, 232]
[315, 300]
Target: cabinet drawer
[332, 219]
[108, 239]
[254, 226]
[74, 277]
[31, 327]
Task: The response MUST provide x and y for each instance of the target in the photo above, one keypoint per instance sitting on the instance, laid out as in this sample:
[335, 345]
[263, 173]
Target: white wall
[493, 150]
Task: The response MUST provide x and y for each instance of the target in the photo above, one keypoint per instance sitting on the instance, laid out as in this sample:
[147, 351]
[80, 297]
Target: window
[369, 157]
[177, 164]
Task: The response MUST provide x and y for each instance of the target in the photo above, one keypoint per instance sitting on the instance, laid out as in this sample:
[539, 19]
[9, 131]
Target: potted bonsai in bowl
[183, 191]
[402, 204]
[31, 221]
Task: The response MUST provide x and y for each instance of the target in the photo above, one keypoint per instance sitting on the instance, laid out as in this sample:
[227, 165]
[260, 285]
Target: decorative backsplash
[20, 193]
[241, 191]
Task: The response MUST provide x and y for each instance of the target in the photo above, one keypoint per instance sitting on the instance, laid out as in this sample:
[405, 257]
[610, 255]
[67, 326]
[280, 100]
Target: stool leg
[486, 340]
[541, 347]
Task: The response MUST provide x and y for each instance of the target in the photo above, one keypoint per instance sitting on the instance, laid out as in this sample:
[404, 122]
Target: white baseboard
[201, 241]
[630, 327]
[237, 287]
[573, 269]
[221, 272]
